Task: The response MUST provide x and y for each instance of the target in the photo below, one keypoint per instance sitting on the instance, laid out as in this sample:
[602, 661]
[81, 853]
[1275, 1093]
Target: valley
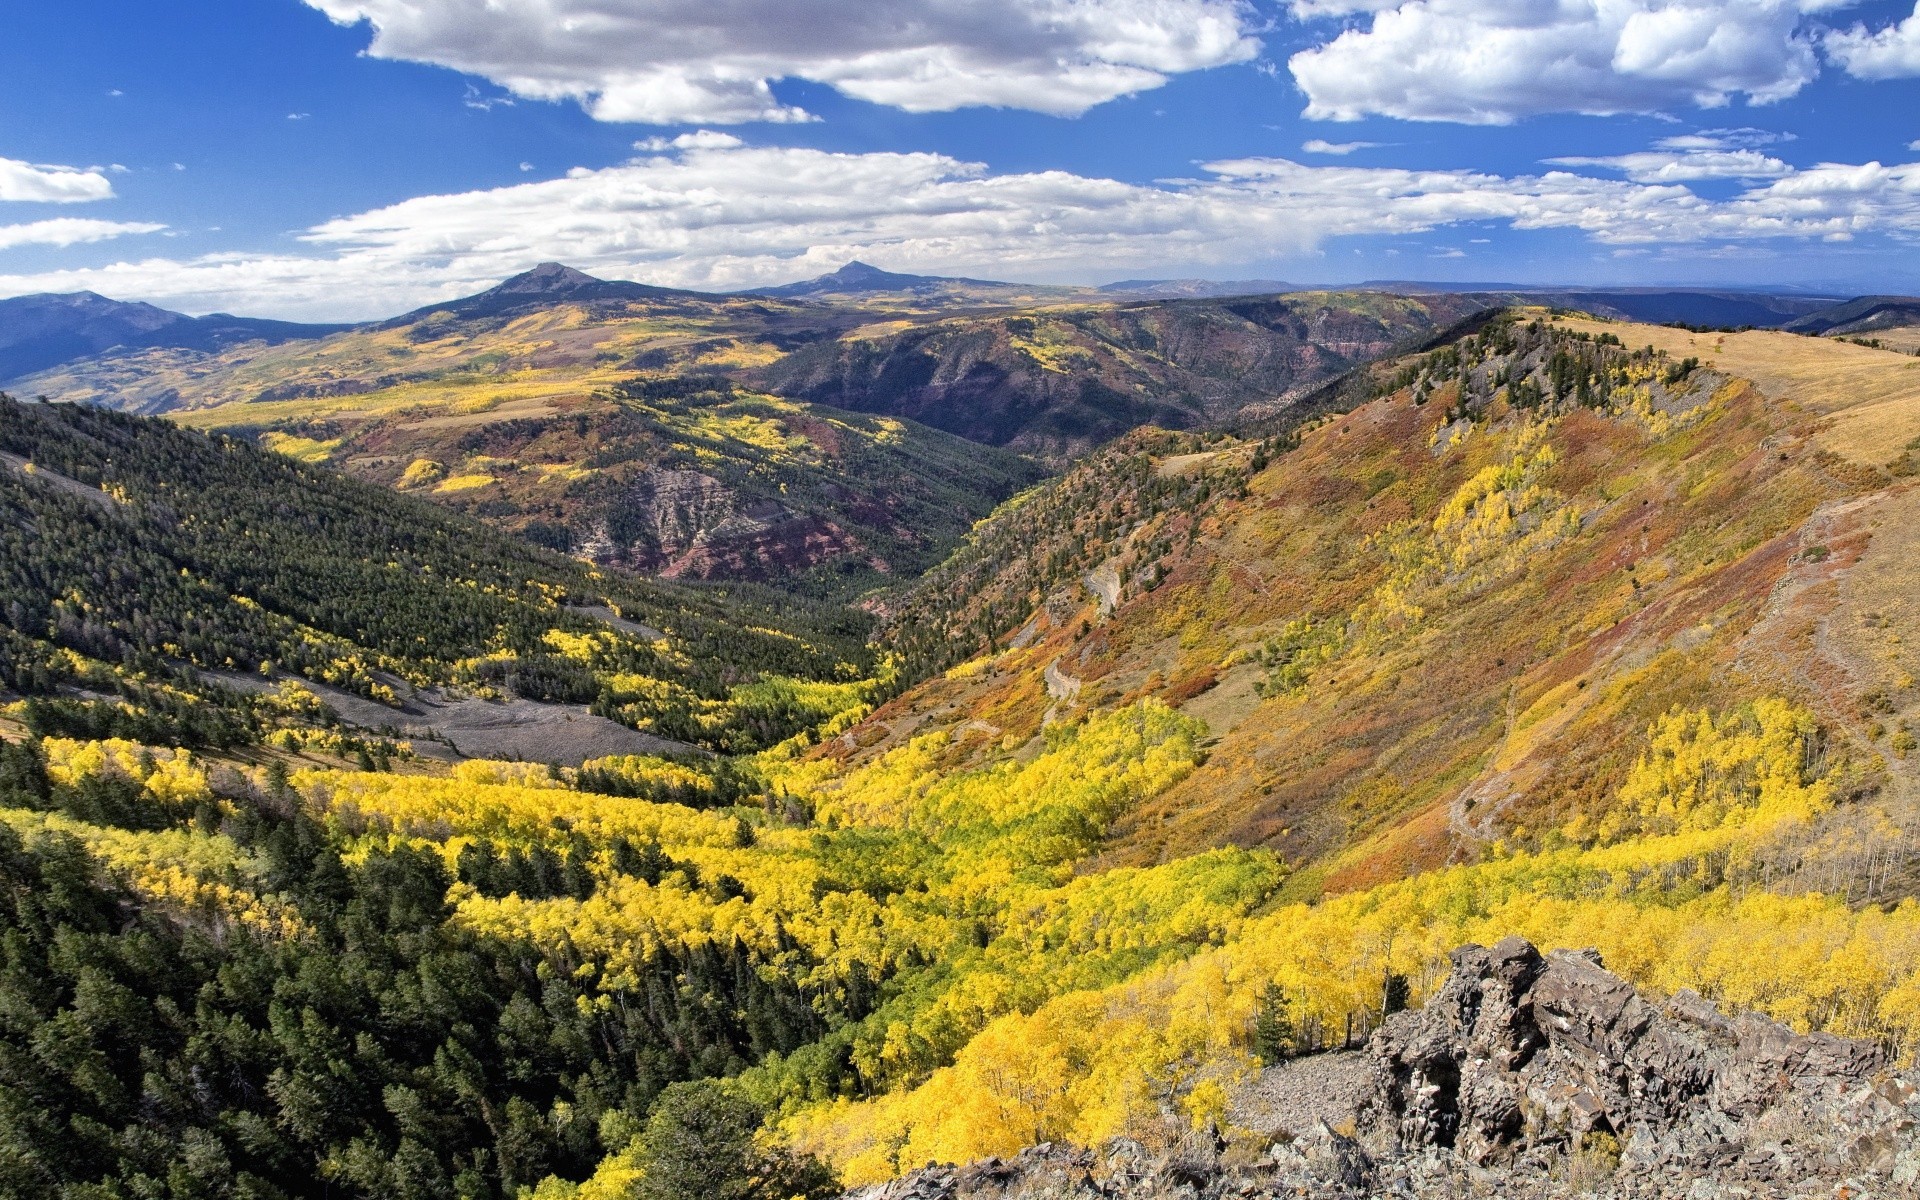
[892, 721]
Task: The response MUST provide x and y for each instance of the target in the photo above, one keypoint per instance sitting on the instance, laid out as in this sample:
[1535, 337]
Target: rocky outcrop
[1525, 1075]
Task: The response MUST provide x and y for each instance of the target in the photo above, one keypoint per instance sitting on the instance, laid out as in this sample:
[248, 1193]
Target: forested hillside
[1197, 759]
[150, 571]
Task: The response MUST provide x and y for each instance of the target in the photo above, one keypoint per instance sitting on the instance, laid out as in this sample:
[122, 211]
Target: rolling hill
[549, 406]
[1056, 382]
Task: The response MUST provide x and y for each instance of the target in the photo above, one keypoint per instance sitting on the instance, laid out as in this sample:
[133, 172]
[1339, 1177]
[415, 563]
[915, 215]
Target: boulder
[1527, 1077]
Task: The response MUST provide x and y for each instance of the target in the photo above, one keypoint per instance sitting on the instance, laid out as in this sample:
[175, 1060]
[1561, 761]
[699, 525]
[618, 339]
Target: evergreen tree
[1273, 1032]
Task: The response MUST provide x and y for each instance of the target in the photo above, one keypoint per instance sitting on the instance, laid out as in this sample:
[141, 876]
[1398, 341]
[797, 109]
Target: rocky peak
[1525, 1075]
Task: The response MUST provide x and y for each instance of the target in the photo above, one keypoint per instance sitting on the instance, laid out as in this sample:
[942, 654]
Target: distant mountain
[47, 330]
[858, 278]
[1660, 306]
[1867, 314]
[1192, 289]
[1762, 310]
[868, 285]
[543, 287]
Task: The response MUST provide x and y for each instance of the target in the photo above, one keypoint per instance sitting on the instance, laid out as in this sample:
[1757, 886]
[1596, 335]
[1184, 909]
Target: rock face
[1524, 1076]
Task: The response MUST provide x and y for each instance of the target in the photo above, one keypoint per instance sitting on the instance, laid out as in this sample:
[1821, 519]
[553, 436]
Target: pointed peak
[858, 270]
[549, 277]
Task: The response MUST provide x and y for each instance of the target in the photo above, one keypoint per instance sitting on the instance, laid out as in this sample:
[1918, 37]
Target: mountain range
[43, 331]
[840, 432]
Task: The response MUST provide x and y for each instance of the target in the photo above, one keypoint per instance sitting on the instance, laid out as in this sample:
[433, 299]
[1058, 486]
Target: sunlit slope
[689, 477]
[595, 418]
[1872, 396]
[1442, 623]
[522, 358]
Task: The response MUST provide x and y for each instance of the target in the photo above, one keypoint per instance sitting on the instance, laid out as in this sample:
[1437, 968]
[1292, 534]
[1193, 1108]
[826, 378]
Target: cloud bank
[70, 231]
[1492, 62]
[733, 217]
[712, 61]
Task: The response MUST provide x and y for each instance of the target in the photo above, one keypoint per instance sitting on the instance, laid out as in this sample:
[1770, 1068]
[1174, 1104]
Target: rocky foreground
[1525, 1076]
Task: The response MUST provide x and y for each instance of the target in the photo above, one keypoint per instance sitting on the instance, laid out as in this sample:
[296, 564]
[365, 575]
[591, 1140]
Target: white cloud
[1878, 54]
[1492, 62]
[699, 139]
[1667, 166]
[1745, 137]
[70, 231]
[296, 116]
[685, 61]
[1322, 146]
[52, 185]
[739, 217]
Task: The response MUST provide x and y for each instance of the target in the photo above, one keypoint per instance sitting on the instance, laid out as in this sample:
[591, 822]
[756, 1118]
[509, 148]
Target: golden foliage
[1096, 1063]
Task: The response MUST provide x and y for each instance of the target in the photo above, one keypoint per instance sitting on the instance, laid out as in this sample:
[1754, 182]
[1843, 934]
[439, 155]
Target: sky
[351, 159]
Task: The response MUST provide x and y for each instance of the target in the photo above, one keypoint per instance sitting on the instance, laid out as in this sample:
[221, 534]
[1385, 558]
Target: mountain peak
[857, 272]
[550, 278]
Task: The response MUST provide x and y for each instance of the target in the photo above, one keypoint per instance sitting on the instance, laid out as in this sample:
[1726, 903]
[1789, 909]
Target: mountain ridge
[46, 330]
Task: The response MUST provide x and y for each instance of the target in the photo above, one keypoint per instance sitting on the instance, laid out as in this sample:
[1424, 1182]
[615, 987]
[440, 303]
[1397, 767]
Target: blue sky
[344, 159]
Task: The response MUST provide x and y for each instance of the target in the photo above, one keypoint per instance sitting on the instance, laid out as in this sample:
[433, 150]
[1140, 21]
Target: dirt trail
[1104, 582]
[1064, 688]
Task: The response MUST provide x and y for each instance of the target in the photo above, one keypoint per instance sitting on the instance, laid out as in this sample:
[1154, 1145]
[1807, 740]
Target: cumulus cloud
[1492, 62]
[1667, 166]
[1322, 146]
[50, 184]
[745, 216]
[699, 139]
[1887, 53]
[70, 231]
[1687, 157]
[712, 61]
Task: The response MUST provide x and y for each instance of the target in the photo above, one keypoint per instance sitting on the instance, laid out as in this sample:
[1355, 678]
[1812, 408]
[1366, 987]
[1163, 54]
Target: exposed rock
[1524, 1076]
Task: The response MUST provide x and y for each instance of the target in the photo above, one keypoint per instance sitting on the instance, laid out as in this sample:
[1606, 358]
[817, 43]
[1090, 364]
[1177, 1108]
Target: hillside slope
[1058, 381]
[161, 584]
[1439, 622]
[688, 477]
